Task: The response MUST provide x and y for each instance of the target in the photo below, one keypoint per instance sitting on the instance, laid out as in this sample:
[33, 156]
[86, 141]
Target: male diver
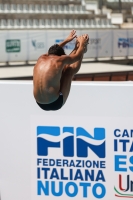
[54, 71]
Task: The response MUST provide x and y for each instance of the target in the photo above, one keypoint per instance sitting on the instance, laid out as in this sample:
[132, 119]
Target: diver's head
[56, 50]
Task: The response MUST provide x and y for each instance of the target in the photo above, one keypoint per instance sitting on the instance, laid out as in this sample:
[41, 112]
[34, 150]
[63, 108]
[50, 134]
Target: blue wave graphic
[99, 133]
[83, 148]
[54, 130]
[43, 145]
[59, 40]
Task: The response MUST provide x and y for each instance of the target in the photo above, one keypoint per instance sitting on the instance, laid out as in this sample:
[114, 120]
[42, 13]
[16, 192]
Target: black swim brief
[56, 105]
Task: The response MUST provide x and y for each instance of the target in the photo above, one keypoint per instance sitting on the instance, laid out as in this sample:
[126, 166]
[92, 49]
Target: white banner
[105, 46]
[130, 42]
[36, 44]
[29, 45]
[17, 46]
[3, 53]
[120, 45]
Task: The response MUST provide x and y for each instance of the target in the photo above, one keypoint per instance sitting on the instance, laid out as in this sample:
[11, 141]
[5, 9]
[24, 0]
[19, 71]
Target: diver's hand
[71, 36]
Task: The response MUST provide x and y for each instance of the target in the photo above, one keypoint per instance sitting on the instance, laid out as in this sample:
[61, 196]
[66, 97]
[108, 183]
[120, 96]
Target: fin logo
[51, 137]
[125, 42]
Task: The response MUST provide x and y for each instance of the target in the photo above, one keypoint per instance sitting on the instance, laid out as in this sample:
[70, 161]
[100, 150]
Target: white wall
[89, 105]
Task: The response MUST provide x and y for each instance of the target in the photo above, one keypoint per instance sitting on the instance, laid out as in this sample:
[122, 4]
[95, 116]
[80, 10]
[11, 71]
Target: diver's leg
[65, 83]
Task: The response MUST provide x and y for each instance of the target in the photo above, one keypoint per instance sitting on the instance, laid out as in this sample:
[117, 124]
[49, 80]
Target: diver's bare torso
[47, 74]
